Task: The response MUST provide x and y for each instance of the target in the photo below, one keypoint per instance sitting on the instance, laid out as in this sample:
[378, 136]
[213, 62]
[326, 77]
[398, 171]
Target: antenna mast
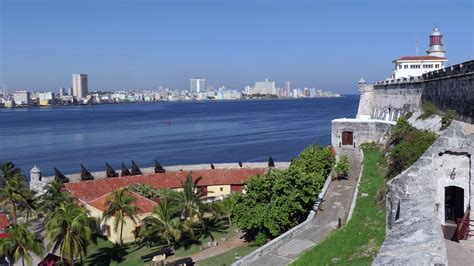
[417, 47]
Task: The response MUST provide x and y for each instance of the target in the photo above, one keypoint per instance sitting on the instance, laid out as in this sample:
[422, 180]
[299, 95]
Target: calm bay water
[173, 133]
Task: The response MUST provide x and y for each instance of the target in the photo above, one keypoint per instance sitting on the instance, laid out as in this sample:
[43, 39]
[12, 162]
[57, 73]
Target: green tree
[69, 231]
[15, 193]
[280, 199]
[120, 206]
[54, 195]
[189, 199]
[210, 224]
[224, 207]
[9, 170]
[165, 224]
[19, 243]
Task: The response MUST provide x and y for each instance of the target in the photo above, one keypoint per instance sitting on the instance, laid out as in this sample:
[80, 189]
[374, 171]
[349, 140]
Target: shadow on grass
[105, 255]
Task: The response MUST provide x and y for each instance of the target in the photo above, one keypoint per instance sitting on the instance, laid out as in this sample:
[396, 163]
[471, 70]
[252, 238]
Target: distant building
[62, 92]
[46, 98]
[287, 89]
[413, 66]
[265, 87]
[79, 85]
[22, 97]
[197, 85]
[69, 91]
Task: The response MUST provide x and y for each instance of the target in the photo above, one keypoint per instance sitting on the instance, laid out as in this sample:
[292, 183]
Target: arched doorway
[453, 203]
[347, 138]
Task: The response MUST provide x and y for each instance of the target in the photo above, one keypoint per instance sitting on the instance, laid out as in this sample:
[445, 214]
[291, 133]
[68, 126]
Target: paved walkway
[336, 205]
[458, 255]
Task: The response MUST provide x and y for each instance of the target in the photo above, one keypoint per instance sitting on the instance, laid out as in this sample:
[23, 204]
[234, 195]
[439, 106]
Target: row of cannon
[134, 170]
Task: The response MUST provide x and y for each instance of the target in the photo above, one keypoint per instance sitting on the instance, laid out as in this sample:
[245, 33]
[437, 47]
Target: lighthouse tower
[436, 44]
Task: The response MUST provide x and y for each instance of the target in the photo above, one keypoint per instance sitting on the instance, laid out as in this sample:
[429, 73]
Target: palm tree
[189, 199]
[119, 205]
[165, 223]
[19, 243]
[52, 198]
[225, 207]
[9, 170]
[13, 194]
[210, 224]
[69, 230]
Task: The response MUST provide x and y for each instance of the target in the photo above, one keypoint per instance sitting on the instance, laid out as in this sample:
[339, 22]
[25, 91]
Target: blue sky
[144, 44]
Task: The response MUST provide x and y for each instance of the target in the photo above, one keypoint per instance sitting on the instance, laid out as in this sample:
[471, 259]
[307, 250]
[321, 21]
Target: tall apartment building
[79, 85]
[22, 97]
[197, 85]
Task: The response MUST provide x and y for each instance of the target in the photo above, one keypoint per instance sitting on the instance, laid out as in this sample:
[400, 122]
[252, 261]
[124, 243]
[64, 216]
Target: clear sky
[144, 44]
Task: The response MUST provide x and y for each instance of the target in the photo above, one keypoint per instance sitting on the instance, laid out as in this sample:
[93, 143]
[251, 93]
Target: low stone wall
[364, 131]
[256, 254]
[415, 201]
[190, 167]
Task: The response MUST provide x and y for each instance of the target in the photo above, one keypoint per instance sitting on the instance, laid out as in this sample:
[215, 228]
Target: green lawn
[228, 257]
[357, 242]
[107, 253]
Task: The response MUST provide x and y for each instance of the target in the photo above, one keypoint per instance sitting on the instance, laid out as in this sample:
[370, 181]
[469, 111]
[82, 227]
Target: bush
[280, 199]
[447, 118]
[429, 109]
[145, 190]
[260, 239]
[408, 144]
[341, 168]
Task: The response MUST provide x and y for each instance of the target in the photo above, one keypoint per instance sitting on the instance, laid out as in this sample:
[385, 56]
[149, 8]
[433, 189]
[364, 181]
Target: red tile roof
[425, 57]
[92, 189]
[4, 223]
[144, 205]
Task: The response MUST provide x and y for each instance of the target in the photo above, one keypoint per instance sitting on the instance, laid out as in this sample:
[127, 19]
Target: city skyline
[147, 45]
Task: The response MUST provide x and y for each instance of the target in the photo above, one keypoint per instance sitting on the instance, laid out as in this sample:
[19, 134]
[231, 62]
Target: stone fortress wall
[416, 198]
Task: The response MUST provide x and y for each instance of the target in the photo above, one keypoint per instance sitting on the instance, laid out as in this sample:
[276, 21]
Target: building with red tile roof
[143, 204]
[90, 190]
[4, 223]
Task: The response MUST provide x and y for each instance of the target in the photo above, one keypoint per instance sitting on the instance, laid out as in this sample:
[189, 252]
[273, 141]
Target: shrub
[280, 199]
[447, 118]
[342, 167]
[260, 239]
[408, 144]
[429, 109]
[145, 190]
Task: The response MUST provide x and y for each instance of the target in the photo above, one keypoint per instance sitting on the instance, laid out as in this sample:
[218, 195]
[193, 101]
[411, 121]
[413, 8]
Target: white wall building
[79, 85]
[413, 66]
[197, 85]
[22, 97]
[265, 87]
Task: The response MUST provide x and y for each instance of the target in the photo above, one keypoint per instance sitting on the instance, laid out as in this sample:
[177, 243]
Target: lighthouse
[436, 44]
[414, 66]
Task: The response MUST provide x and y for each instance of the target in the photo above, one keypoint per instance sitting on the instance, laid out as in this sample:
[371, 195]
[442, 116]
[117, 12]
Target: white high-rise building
[287, 88]
[22, 97]
[79, 85]
[265, 87]
[197, 85]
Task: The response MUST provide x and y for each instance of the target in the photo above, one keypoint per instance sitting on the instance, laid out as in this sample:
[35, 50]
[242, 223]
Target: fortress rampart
[448, 88]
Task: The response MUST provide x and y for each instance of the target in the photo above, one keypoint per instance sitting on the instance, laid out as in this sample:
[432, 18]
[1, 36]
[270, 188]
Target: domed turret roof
[35, 169]
[435, 32]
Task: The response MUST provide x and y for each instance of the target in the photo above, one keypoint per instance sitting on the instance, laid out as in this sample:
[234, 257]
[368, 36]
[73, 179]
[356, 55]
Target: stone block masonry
[452, 88]
[417, 201]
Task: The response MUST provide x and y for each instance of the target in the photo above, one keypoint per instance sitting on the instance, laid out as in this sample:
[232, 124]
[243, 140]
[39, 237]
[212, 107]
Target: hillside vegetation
[281, 199]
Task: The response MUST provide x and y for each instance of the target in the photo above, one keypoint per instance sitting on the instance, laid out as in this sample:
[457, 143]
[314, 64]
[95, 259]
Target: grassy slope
[358, 241]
